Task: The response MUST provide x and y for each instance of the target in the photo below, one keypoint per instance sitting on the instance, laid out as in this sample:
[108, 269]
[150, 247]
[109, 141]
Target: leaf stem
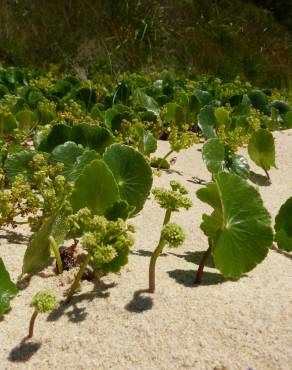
[56, 251]
[267, 174]
[200, 271]
[78, 278]
[156, 253]
[31, 324]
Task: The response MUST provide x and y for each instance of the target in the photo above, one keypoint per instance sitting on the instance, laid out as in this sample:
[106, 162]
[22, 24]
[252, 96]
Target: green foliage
[96, 188]
[218, 159]
[131, 172]
[283, 226]
[207, 121]
[239, 228]
[7, 289]
[261, 149]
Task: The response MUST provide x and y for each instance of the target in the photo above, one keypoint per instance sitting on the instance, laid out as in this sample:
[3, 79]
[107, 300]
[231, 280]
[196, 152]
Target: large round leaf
[244, 234]
[90, 136]
[132, 173]
[19, 164]
[261, 149]
[95, 188]
[283, 226]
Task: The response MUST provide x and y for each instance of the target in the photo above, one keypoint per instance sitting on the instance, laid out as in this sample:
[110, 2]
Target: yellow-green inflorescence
[45, 301]
[173, 234]
[172, 199]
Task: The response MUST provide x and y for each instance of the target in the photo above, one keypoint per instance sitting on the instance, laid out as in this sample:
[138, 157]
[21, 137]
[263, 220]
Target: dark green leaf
[19, 164]
[132, 173]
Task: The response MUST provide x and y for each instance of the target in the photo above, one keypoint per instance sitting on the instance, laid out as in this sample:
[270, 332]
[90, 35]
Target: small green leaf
[216, 159]
[132, 173]
[7, 289]
[140, 99]
[239, 166]
[95, 188]
[38, 251]
[214, 156]
[258, 100]
[261, 149]
[67, 154]
[283, 226]
[207, 121]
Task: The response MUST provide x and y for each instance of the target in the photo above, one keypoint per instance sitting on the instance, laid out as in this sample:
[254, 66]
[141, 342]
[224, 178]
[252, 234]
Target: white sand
[221, 324]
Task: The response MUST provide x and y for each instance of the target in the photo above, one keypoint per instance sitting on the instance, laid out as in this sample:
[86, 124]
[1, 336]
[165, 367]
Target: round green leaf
[95, 188]
[132, 173]
[19, 164]
[261, 149]
[242, 234]
[67, 154]
[283, 226]
[90, 136]
[214, 155]
[239, 166]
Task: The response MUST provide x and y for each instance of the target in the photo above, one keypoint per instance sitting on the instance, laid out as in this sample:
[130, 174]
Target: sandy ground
[221, 324]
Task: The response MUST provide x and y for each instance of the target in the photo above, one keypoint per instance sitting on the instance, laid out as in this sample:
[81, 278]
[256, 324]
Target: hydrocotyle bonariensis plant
[107, 243]
[238, 230]
[43, 302]
[171, 234]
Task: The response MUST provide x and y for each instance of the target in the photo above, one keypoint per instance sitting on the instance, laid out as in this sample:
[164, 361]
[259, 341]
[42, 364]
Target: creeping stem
[31, 323]
[56, 251]
[78, 277]
[200, 271]
[156, 253]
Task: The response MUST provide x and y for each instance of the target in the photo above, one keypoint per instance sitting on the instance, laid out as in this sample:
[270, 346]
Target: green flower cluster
[172, 199]
[173, 234]
[102, 239]
[179, 140]
[45, 301]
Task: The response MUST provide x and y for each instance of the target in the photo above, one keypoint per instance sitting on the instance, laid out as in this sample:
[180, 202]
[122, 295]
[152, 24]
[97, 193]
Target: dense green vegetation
[225, 38]
[78, 137]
